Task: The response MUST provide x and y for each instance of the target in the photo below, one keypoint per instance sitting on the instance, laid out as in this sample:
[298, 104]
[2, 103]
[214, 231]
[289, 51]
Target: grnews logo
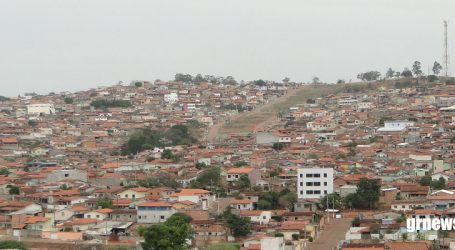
[445, 224]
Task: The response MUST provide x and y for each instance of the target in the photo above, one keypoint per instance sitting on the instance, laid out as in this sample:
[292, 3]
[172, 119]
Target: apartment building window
[301, 192]
[317, 184]
[301, 175]
[325, 175]
[325, 191]
[301, 183]
[325, 183]
[309, 192]
[309, 184]
[317, 191]
[316, 175]
[309, 175]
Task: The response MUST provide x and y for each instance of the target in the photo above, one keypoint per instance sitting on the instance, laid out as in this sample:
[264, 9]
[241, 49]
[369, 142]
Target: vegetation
[14, 190]
[104, 202]
[333, 200]
[12, 244]
[163, 179]
[274, 200]
[106, 103]
[170, 235]
[240, 226]
[209, 177]
[243, 182]
[147, 138]
[4, 171]
[369, 76]
[435, 184]
[223, 246]
[278, 146]
[68, 100]
[366, 196]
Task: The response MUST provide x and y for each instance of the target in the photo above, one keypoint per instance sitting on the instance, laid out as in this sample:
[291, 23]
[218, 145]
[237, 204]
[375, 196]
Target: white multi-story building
[313, 183]
[395, 126]
[43, 108]
[171, 98]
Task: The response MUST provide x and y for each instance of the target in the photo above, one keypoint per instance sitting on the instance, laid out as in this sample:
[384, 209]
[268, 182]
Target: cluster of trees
[209, 177]
[435, 184]
[147, 138]
[187, 78]
[107, 103]
[416, 71]
[232, 106]
[163, 179]
[3, 98]
[104, 202]
[275, 200]
[239, 226]
[366, 196]
[68, 100]
[278, 146]
[170, 235]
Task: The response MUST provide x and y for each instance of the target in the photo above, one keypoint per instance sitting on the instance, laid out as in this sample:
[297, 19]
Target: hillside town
[135, 165]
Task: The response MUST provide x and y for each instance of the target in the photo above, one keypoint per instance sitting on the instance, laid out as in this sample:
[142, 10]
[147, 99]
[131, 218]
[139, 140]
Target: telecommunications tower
[445, 59]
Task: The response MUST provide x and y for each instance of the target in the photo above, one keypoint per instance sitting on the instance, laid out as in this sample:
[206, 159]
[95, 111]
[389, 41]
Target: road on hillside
[214, 130]
[331, 235]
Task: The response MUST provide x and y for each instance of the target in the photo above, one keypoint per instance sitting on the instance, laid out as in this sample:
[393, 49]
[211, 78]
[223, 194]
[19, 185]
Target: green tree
[437, 68]
[243, 182]
[368, 192]
[334, 201]
[170, 235]
[406, 73]
[390, 73]
[369, 76]
[4, 171]
[241, 164]
[240, 226]
[438, 184]
[417, 68]
[12, 244]
[104, 202]
[68, 100]
[138, 84]
[355, 222]
[167, 154]
[425, 180]
[278, 146]
[14, 190]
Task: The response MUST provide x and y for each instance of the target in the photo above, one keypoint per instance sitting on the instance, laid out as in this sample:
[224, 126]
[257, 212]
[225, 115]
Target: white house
[313, 183]
[171, 98]
[199, 196]
[154, 211]
[257, 216]
[395, 126]
[42, 108]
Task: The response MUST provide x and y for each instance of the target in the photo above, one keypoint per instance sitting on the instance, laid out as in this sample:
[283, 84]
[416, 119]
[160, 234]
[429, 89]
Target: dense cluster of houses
[62, 177]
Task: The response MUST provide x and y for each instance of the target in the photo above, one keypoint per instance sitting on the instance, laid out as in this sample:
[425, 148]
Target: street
[331, 235]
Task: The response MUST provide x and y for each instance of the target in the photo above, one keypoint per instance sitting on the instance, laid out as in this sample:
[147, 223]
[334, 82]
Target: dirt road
[331, 235]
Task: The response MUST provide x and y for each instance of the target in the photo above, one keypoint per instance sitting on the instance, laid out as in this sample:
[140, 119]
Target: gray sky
[78, 44]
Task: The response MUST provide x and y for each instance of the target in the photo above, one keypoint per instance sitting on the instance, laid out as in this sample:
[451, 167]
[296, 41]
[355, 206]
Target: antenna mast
[446, 50]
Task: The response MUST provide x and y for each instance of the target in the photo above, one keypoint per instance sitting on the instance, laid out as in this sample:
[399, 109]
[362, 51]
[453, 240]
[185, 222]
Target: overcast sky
[79, 44]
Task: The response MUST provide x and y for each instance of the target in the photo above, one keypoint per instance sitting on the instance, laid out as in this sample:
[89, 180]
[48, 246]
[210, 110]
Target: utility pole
[327, 205]
[445, 59]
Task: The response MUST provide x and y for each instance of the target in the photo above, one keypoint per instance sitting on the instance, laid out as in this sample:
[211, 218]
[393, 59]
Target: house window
[97, 216]
[67, 175]
[133, 196]
[229, 176]
[88, 216]
[402, 206]
[140, 217]
[301, 192]
[162, 217]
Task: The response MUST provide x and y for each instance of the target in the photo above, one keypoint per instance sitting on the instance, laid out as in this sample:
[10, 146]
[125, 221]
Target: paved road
[331, 235]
